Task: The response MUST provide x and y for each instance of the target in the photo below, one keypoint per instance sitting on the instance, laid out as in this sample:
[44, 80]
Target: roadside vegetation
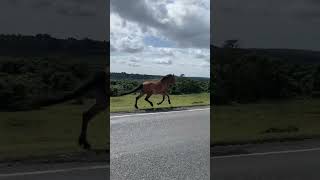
[264, 94]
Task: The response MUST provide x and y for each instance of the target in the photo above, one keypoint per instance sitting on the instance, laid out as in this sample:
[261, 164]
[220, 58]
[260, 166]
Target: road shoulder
[245, 149]
[155, 110]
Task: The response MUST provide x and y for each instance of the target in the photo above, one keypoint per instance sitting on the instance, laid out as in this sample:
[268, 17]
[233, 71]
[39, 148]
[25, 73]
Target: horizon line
[162, 75]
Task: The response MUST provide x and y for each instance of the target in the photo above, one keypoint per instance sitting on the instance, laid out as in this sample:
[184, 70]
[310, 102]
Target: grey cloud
[193, 33]
[42, 4]
[164, 62]
[267, 23]
[13, 2]
[135, 60]
[64, 7]
[201, 56]
[59, 18]
[112, 48]
[133, 65]
[132, 49]
[75, 12]
[166, 52]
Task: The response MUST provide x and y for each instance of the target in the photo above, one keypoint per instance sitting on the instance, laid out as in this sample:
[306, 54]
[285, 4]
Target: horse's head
[170, 79]
[174, 79]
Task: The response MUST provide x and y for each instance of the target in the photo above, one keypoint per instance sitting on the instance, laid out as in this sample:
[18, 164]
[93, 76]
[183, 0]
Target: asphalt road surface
[64, 171]
[164, 146]
[295, 161]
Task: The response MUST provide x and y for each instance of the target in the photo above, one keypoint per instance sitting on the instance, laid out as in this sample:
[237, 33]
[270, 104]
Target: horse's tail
[84, 88]
[132, 91]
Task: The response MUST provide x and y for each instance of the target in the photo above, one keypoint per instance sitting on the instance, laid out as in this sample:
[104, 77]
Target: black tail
[132, 91]
[96, 82]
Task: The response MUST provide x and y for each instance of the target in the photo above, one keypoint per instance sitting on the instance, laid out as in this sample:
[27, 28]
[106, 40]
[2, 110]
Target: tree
[232, 43]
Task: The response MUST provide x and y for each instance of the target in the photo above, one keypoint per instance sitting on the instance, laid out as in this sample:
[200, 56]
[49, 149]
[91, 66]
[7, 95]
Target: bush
[24, 80]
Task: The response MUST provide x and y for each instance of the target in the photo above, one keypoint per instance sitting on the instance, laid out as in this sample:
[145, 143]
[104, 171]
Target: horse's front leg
[86, 117]
[163, 97]
[147, 99]
[168, 98]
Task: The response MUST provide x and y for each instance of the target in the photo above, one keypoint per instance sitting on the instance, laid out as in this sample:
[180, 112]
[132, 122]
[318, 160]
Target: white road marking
[53, 171]
[146, 114]
[266, 153]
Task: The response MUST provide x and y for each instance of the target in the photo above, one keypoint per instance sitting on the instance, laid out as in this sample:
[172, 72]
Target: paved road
[64, 171]
[166, 146]
[295, 161]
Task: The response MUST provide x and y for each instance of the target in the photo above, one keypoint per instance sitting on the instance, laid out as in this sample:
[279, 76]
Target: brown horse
[154, 87]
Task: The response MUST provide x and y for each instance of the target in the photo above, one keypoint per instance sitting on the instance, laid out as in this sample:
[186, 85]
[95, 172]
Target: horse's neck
[165, 84]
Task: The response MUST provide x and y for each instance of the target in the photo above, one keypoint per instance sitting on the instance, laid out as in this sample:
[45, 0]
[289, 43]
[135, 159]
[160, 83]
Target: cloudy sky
[160, 37]
[59, 18]
[267, 23]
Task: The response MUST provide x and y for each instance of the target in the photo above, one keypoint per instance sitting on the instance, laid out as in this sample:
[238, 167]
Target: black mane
[167, 77]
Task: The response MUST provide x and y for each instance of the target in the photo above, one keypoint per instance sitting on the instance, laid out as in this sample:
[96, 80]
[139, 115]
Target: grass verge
[126, 103]
[50, 130]
[267, 121]
[55, 129]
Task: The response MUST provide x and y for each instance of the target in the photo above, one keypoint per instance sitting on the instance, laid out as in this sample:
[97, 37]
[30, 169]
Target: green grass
[51, 130]
[250, 122]
[55, 129]
[126, 103]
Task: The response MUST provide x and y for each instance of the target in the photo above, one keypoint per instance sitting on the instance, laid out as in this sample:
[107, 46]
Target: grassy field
[126, 103]
[51, 130]
[55, 129]
[293, 119]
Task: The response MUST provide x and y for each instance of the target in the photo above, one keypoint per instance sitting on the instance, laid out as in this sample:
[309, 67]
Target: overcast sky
[160, 37]
[59, 18]
[267, 23]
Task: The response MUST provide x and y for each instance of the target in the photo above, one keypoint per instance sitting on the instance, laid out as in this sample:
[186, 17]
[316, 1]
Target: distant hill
[141, 77]
[44, 44]
[290, 55]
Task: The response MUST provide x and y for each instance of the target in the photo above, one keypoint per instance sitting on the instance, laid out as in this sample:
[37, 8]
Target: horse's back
[154, 87]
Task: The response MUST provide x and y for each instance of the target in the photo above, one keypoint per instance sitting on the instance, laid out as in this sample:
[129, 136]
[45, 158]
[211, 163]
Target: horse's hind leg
[163, 97]
[137, 98]
[86, 117]
[147, 99]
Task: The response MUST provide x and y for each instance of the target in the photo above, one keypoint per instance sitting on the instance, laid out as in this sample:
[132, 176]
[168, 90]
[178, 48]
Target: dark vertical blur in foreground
[265, 84]
[47, 50]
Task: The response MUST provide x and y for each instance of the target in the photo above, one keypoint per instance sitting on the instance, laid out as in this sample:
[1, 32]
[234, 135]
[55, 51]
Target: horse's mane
[166, 77]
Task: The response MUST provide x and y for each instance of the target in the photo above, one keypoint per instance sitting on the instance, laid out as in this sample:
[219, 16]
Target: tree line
[26, 80]
[184, 85]
[42, 44]
[251, 75]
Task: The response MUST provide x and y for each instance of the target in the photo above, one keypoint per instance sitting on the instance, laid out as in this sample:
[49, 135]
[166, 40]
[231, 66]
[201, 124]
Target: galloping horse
[154, 87]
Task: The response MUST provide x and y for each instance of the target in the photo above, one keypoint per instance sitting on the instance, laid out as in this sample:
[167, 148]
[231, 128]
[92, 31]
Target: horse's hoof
[84, 144]
[87, 146]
